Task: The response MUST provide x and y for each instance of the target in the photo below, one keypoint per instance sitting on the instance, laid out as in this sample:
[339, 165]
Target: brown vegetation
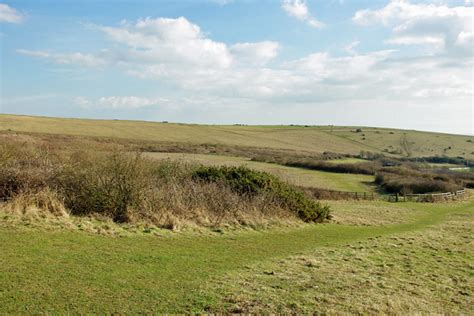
[125, 187]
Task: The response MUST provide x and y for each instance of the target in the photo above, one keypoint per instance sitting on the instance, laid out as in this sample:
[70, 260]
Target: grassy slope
[64, 271]
[421, 272]
[297, 176]
[305, 139]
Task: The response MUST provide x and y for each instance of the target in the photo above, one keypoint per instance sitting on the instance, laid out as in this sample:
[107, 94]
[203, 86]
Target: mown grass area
[311, 139]
[311, 268]
[422, 272]
[296, 176]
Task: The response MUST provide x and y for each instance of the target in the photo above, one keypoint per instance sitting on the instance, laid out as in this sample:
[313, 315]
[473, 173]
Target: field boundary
[427, 197]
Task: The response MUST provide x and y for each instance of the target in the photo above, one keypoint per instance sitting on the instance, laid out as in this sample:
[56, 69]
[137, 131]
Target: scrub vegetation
[128, 188]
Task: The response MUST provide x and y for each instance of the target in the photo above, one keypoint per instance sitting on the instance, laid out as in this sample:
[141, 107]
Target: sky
[399, 63]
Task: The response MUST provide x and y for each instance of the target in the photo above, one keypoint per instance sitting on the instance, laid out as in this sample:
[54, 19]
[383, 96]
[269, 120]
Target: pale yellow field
[302, 139]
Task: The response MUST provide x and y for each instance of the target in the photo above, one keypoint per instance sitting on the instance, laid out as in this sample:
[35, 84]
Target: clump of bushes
[368, 168]
[248, 182]
[407, 181]
[128, 188]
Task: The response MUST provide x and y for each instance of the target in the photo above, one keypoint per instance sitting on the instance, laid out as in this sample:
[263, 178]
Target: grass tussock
[39, 204]
[127, 188]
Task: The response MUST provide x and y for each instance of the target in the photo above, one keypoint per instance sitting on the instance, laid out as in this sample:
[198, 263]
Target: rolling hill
[310, 139]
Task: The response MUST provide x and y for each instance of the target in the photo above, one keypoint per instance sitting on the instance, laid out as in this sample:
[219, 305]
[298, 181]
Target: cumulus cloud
[206, 74]
[447, 28]
[10, 15]
[299, 9]
[170, 40]
[119, 102]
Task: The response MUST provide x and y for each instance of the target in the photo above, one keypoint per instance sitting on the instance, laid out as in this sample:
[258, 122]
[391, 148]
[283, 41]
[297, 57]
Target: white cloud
[255, 53]
[10, 15]
[240, 77]
[81, 59]
[299, 9]
[119, 102]
[449, 28]
[170, 41]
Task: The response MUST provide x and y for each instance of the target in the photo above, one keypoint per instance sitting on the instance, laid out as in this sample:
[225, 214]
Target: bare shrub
[125, 187]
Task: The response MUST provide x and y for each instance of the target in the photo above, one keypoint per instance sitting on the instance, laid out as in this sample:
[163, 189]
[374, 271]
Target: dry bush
[24, 168]
[125, 187]
[405, 181]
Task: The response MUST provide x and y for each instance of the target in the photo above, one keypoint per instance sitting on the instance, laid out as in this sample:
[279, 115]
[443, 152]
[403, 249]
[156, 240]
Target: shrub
[354, 168]
[404, 180]
[128, 188]
[109, 185]
[245, 181]
[25, 169]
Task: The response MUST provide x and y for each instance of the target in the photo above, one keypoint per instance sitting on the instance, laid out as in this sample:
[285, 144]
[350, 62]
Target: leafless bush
[125, 187]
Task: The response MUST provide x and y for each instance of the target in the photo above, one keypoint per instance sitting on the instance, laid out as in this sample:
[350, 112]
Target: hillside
[312, 139]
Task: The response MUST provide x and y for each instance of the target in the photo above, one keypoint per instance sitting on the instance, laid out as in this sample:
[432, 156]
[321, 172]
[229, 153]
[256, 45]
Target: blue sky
[400, 63]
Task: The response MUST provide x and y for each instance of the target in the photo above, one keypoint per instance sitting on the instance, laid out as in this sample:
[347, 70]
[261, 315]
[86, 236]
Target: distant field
[297, 176]
[346, 160]
[314, 139]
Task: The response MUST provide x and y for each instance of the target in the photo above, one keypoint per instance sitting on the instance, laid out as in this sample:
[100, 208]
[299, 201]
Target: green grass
[421, 272]
[297, 176]
[346, 160]
[315, 139]
[68, 271]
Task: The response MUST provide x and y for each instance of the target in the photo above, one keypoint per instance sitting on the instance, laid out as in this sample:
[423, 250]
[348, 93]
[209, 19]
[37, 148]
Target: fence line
[333, 194]
[427, 197]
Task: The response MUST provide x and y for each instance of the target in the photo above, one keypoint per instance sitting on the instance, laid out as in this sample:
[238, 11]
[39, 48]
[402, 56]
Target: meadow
[310, 139]
[138, 217]
[422, 262]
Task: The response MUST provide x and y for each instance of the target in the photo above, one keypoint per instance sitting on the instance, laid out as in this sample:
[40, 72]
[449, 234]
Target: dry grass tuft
[40, 204]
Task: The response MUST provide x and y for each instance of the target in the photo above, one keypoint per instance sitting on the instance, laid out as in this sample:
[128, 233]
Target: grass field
[372, 257]
[420, 263]
[315, 139]
[297, 176]
[346, 160]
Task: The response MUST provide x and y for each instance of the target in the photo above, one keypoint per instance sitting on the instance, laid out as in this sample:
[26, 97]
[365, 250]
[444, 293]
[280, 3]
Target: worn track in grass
[65, 271]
